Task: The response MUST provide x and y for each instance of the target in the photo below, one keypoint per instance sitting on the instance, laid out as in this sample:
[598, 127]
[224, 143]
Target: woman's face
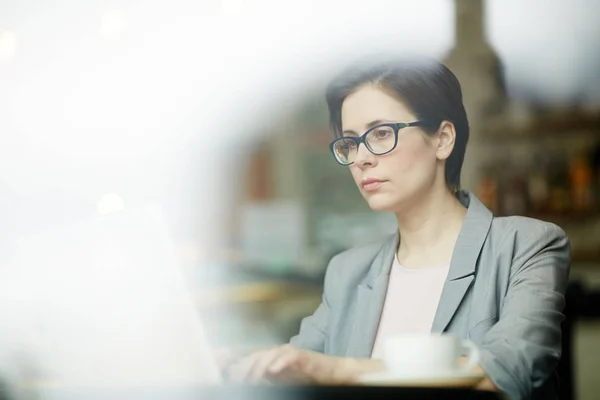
[402, 176]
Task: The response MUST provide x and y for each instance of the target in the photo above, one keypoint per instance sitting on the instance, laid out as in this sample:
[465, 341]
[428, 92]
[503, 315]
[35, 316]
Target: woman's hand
[289, 364]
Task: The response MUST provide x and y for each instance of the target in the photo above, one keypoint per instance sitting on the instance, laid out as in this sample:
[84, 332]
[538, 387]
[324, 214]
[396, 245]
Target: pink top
[410, 303]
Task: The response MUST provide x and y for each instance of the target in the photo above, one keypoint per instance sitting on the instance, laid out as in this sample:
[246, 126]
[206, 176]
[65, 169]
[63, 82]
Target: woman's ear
[446, 139]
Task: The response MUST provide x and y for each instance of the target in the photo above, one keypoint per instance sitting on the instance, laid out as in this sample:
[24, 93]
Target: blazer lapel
[464, 260]
[370, 300]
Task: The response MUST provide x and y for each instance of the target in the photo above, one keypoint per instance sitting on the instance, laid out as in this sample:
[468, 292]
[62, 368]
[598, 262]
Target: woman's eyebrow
[369, 126]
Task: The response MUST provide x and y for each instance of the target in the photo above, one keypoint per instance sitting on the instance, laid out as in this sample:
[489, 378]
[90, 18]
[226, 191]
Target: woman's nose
[364, 158]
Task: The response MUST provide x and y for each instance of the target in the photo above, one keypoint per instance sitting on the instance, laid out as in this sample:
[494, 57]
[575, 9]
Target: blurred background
[530, 73]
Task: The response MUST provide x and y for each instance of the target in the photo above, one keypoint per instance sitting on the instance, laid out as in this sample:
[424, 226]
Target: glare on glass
[379, 140]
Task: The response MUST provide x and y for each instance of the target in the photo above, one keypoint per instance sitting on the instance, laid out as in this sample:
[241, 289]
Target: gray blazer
[504, 291]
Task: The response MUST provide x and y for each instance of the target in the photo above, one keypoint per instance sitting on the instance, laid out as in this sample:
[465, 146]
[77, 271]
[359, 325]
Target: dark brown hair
[427, 87]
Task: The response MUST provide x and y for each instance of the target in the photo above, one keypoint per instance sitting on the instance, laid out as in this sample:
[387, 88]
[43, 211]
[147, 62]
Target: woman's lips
[371, 185]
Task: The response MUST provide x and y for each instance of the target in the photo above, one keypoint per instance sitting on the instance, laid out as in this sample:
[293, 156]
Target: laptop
[101, 303]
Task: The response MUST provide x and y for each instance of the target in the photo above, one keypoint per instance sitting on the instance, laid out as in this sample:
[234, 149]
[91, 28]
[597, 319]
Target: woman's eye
[382, 133]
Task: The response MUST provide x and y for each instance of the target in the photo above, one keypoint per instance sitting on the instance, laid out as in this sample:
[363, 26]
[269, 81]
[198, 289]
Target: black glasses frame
[396, 126]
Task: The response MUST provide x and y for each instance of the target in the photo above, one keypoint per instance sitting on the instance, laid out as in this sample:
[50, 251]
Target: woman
[452, 267]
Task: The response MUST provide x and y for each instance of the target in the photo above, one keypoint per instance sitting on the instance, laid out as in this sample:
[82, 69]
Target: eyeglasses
[379, 140]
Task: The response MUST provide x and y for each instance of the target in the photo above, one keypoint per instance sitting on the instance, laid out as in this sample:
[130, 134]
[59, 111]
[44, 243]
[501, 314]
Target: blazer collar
[471, 237]
[382, 264]
[463, 265]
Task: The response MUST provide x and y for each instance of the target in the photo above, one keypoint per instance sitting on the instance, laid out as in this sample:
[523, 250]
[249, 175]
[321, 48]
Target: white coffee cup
[428, 355]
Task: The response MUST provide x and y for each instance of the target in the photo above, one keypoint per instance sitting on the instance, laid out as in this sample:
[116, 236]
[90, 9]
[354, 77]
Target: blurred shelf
[564, 218]
[258, 292]
[591, 257]
[513, 138]
[242, 284]
[549, 126]
[568, 217]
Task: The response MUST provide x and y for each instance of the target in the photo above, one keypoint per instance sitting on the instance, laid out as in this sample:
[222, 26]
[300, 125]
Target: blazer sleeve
[314, 328]
[522, 349]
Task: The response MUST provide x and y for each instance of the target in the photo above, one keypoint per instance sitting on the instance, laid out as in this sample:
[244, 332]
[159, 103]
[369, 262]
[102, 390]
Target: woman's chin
[381, 203]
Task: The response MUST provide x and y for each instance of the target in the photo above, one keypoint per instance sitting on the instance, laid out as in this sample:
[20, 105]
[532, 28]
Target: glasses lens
[381, 139]
[345, 150]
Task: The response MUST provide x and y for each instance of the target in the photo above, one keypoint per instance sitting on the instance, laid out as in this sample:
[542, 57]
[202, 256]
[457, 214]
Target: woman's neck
[428, 231]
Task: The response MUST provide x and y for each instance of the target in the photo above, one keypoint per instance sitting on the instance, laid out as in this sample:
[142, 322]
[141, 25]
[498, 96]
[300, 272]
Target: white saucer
[454, 379]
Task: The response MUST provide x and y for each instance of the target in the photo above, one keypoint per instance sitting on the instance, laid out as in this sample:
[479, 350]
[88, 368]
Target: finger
[301, 367]
[228, 356]
[246, 369]
[293, 369]
[259, 369]
[239, 370]
[283, 361]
